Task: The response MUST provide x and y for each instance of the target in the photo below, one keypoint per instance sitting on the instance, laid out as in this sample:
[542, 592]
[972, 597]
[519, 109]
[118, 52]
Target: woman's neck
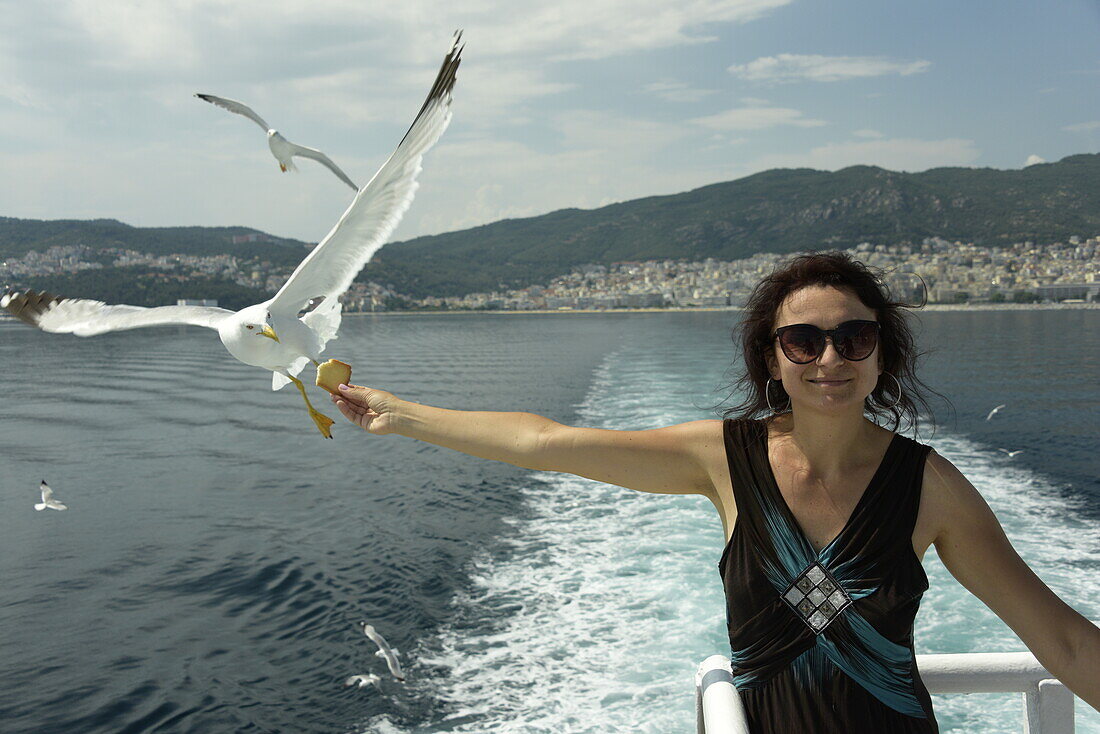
[830, 442]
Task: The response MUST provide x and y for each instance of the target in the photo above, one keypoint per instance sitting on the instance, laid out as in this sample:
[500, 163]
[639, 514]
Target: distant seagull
[47, 499]
[283, 150]
[993, 412]
[384, 650]
[270, 335]
[362, 681]
[1011, 453]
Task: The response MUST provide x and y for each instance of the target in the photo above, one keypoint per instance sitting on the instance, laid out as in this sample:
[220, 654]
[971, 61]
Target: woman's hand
[371, 410]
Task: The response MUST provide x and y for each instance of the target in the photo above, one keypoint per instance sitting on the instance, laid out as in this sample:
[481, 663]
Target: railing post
[700, 722]
[1048, 709]
[718, 707]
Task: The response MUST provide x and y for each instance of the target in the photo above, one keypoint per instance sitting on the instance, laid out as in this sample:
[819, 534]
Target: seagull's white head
[367, 628]
[255, 321]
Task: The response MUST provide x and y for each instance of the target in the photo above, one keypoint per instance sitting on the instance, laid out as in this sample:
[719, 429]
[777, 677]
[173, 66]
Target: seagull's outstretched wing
[48, 501]
[234, 106]
[363, 680]
[385, 651]
[85, 317]
[377, 208]
[304, 152]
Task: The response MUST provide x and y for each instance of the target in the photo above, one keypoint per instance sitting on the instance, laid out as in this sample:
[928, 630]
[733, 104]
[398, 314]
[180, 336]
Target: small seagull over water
[47, 499]
[993, 412]
[384, 650]
[1011, 453]
[270, 334]
[283, 150]
[362, 681]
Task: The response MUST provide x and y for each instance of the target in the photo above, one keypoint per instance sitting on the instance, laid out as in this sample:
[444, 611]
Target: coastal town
[937, 270]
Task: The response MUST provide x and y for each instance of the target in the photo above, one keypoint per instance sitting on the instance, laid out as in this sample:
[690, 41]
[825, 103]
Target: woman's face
[830, 382]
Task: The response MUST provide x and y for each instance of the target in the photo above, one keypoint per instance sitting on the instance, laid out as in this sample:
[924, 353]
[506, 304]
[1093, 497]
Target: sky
[574, 103]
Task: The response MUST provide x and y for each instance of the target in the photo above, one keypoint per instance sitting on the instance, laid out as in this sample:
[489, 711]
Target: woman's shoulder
[744, 430]
[748, 423]
[914, 445]
[693, 432]
[943, 477]
[946, 492]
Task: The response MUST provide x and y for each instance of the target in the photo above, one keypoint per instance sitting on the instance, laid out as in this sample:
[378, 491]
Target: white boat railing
[718, 708]
[1048, 705]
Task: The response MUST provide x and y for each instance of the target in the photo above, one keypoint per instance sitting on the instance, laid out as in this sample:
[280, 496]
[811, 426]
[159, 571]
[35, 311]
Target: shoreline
[5, 318]
[693, 309]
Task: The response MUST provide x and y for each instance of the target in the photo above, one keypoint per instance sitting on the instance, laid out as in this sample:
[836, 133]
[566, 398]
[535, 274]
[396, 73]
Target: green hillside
[19, 236]
[783, 210]
[141, 286]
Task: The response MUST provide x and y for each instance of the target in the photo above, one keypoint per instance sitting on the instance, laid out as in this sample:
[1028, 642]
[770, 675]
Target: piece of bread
[332, 373]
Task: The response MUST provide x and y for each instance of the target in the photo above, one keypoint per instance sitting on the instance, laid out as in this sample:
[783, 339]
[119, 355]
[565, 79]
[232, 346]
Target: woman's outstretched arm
[974, 548]
[670, 460]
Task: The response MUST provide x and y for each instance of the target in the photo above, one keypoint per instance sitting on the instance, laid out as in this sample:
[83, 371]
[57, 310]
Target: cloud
[1032, 160]
[581, 29]
[153, 185]
[485, 96]
[756, 118]
[1083, 127]
[796, 67]
[19, 94]
[896, 154]
[472, 176]
[677, 92]
[70, 51]
[345, 76]
[867, 133]
[188, 35]
[597, 158]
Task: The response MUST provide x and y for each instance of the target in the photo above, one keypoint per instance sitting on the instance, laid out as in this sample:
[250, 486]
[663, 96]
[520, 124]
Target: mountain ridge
[778, 210]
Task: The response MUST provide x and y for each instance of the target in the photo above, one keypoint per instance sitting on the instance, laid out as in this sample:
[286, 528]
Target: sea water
[217, 554]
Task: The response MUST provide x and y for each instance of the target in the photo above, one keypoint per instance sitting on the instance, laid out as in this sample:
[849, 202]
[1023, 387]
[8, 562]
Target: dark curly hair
[899, 354]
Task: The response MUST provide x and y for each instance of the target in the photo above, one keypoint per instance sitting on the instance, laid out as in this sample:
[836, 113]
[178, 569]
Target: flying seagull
[1011, 453]
[270, 334]
[993, 412]
[362, 681]
[283, 150]
[384, 650]
[47, 499]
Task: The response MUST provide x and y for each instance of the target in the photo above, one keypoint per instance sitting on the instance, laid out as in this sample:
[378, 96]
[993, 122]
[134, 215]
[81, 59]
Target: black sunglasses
[853, 340]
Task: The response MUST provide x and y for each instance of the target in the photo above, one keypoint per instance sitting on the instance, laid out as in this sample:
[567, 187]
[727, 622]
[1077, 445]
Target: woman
[826, 513]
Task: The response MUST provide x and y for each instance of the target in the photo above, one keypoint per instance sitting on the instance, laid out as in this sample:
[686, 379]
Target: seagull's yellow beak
[269, 333]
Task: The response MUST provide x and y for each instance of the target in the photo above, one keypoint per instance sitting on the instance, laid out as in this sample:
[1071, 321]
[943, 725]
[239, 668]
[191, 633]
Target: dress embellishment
[816, 597]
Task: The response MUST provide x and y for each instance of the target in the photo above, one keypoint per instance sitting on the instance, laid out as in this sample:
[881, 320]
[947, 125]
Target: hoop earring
[898, 398]
[768, 397]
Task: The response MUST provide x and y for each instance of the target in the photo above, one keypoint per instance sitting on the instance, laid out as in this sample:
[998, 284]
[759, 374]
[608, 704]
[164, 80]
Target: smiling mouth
[829, 382]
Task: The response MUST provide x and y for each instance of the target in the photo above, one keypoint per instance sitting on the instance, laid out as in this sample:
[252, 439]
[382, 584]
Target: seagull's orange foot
[322, 421]
[282, 167]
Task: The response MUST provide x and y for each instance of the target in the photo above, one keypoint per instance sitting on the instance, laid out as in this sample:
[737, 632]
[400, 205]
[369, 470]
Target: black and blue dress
[822, 641]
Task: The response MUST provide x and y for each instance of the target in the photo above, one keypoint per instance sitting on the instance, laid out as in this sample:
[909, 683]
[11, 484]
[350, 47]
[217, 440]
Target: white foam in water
[597, 616]
[605, 604]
